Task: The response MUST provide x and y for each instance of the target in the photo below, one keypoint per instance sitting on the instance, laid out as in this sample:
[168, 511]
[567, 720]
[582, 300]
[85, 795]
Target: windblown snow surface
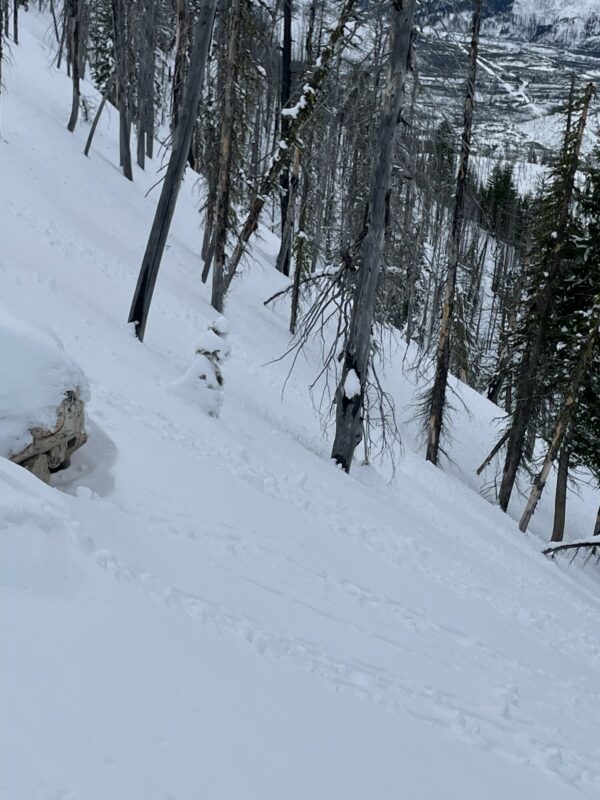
[206, 608]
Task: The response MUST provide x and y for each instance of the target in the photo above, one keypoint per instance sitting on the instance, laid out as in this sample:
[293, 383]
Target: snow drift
[36, 372]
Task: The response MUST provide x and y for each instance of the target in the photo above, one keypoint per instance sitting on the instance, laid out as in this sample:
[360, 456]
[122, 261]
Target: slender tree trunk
[123, 88]
[495, 450]
[146, 22]
[301, 266]
[16, 21]
[283, 260]
[560, 500]
[438, 394]
[142, 298]
[181, 53]
[533, 350]
[63, 37]
[54, 22]
[73, 23]
[349, 395]
[1, 43]
[329, 162]
[223, 181]
[283, 257]
[90, 138]
[597, 525]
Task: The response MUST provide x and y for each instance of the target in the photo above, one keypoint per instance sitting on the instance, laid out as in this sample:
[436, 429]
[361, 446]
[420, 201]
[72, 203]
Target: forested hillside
[325, 278]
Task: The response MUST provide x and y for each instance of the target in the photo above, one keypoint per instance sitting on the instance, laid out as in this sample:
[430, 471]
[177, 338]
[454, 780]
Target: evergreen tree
[555, 246]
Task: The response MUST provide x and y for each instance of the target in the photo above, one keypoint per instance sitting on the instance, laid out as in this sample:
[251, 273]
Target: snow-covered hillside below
[206, 608]
[549, 12]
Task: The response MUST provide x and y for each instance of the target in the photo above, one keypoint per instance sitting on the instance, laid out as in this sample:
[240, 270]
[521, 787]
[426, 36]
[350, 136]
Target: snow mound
[36, 372]
[202, 383]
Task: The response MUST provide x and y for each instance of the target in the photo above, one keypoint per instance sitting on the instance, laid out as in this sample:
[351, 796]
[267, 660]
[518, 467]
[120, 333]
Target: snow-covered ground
[209, 609]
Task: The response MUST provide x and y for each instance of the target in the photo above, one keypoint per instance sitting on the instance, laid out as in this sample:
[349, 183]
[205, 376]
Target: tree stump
[51, 449]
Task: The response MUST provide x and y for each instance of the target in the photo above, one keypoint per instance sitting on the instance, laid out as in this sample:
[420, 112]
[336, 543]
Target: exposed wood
[51, 449]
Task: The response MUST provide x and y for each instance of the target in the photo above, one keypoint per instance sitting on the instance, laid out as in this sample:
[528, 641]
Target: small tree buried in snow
[202, 384]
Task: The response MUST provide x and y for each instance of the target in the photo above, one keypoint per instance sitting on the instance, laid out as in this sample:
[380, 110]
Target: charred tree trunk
[301, 266]
[560, 499]
[145, 80]
[283, 257]
[74, 42]
[1, 41]
[181, 57]
[54, 21]
[107, 90]
[438, 394]
[142, 298]
[283, 261]
[352, 385]
[123, 90]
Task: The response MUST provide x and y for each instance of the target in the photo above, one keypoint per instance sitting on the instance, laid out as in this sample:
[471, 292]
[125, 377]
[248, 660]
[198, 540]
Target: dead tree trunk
[1, 41]
[560, 500]
[352, 385]
[301, 266]
[181, 53]
[54, 21]
[107, 89]
[283, 257]
[283, 260]
[73, 23]
[223, 180]
[145, 80]
[123, 88]
[144, 290]
[438, 393]
[63, 37]
[16, 21]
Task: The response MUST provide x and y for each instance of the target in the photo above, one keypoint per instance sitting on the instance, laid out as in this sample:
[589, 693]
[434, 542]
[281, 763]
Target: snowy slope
[209, 609]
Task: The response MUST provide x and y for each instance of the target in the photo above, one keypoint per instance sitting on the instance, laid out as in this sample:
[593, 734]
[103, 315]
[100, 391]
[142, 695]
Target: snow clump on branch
[202, 384]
